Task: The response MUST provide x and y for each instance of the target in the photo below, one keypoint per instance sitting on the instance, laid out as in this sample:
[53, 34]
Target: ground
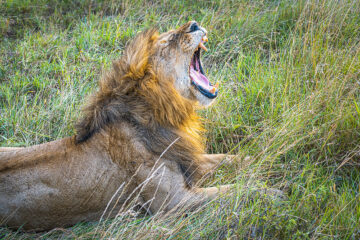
[289, 75]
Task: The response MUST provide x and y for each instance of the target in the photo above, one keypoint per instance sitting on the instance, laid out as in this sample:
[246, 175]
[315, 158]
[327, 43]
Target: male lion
[139, 140]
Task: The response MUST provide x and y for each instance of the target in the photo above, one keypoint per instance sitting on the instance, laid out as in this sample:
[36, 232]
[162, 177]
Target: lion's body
[139, 142]
[61, 183]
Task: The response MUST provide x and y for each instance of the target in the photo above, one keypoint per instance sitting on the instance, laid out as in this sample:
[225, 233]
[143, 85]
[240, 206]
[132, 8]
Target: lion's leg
[216, 160]
[8, 149]
[210, 193]
[163, 188]
[213, 161]
[196, 197]
[189, 198]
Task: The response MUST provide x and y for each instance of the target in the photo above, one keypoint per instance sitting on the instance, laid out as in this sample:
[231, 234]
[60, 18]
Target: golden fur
[139, 142]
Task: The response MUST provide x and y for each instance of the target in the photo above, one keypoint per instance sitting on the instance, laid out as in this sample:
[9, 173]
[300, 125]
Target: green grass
[290, 99]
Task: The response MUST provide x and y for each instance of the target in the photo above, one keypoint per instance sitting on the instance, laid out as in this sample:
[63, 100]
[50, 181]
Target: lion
[139, 140]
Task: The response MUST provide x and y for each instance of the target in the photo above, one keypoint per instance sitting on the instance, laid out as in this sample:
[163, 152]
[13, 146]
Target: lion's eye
[194, 27]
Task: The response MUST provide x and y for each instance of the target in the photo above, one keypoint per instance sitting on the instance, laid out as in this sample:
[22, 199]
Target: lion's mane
[135, 93]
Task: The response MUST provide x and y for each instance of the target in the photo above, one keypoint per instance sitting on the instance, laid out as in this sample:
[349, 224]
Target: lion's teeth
[201, 45]
[213, 89]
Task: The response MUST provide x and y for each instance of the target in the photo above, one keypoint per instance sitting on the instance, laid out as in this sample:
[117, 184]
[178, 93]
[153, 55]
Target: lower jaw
[204, 92]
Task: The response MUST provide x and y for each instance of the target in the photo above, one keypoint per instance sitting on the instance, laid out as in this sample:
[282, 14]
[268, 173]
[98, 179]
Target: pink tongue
[199, 79]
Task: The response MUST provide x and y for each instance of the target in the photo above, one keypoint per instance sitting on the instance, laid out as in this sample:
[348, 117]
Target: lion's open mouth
[197, 75]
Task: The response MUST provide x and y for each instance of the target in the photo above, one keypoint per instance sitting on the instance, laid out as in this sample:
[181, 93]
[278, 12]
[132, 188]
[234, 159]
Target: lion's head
[157, 82]
[176, 55]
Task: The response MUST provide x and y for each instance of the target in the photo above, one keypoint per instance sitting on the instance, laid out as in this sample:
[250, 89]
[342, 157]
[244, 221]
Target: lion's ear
[136, 56]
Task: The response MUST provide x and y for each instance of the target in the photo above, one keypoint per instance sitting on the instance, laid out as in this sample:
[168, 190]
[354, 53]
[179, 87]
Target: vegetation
[290, 101]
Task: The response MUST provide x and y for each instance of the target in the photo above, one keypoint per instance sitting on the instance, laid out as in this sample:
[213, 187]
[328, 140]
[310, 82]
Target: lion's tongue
[199, 78]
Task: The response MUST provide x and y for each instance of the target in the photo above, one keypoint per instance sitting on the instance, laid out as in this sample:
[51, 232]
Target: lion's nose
[194, 27]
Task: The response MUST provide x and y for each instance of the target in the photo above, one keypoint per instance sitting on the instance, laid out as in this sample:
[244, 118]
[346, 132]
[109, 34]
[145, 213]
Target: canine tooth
[201, 45]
